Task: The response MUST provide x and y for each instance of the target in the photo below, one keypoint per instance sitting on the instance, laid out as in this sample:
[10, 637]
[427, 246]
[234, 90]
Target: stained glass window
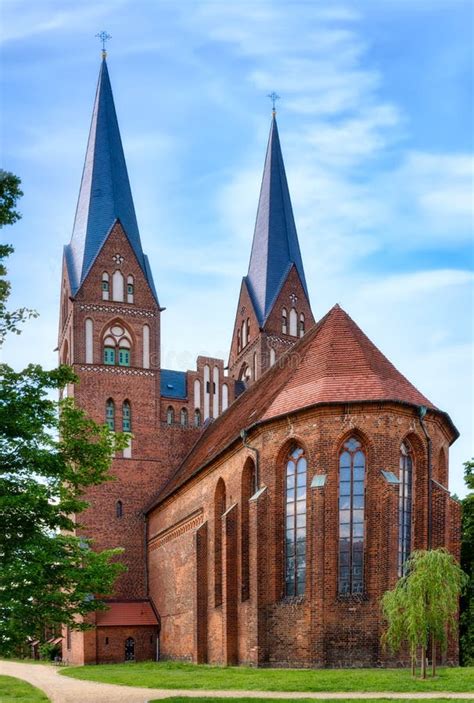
[404, 507]
[351, 517]
[295, 527]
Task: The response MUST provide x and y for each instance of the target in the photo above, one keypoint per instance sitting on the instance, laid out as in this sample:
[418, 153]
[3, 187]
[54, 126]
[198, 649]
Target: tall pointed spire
[105, 195]
[275, 246]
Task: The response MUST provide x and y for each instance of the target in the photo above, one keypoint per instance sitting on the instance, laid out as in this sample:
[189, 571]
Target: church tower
[110, 334]
[274, 309]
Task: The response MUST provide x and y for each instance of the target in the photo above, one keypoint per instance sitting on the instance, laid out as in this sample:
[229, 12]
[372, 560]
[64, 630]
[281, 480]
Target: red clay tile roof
[335, 362]
[127, 613]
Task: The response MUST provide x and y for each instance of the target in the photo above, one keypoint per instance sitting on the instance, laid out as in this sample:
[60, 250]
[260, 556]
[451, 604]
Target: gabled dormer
[274, 308]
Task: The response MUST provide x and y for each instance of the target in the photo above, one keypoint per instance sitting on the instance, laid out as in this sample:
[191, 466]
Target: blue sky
[376, 128]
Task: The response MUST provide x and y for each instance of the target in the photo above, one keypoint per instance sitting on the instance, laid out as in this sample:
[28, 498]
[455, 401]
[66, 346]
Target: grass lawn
[12, 689]
[177, 699]
[188, 676]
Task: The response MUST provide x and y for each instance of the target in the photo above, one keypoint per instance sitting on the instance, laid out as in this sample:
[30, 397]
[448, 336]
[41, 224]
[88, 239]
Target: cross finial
[273, 97]
[104, 37]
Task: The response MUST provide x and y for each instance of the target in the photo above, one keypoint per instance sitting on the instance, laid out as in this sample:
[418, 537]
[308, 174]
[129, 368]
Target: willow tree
[423, 606]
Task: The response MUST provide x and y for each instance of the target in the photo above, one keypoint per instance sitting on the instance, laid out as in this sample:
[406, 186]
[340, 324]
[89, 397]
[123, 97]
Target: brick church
[266, 502]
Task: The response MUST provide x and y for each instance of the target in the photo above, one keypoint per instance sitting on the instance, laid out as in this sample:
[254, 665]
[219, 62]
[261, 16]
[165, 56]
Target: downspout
[243, 435]
[422, 410]
[145, 539]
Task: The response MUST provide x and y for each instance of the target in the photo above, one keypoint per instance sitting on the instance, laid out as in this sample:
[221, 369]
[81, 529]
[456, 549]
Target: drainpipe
[145, 544]
[422, 410]
[243, 435]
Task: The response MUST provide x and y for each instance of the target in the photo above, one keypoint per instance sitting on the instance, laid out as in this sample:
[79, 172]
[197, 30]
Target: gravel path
[62, 689]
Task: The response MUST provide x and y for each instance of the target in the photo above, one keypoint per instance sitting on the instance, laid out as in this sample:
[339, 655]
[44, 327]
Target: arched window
[129, 649]
[197, 393]
[248, 330]
[110, 414]
[255, 366]
[244, 334]
[183, 417]
[109, 351]
[170, 416]
[245, 373]
[272, 356]
[117, 286]
[295, 532]
[219, 510]
[207, 391]
[105, 286]
[293, 322]
[215, 391]
[89, 325]
[117, 345]
[351, 517]
[126, 416]
[225, 396]
[238, 341]
[404, 506]
[146, 347]
[130, 289]
[118, 508]
[197, 418]
[302, 330]
[284, 321]
[247, 491]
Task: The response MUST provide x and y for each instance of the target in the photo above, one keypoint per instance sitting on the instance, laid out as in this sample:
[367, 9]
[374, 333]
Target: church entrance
[130, 649]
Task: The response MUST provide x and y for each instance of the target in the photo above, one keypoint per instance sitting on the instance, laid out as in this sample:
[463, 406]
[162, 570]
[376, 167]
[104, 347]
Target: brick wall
[321, 628]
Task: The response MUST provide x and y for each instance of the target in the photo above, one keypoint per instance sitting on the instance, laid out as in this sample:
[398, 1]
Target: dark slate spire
[105, 194]
[275, 245]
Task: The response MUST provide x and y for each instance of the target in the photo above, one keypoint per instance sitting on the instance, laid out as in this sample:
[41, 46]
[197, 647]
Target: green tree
[423, 605]
[50, 453]
[10, 193]
[467, 563]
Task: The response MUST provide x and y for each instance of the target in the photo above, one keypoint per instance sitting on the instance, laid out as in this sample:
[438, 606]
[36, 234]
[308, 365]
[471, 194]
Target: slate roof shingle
[105, 195]
[275, 246]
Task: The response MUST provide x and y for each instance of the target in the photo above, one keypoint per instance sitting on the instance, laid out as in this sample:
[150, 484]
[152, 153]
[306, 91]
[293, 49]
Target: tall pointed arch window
[404, 506]
[239, 346]
[183, 417]
[295, 532]
[170, 416]
[248, 329]
[105, 286]
[284, 321]
[119, 509]
[293, 322]
[130, 289]
[351, 517]
[302, 322]
[126, 416]
[197, 418]
[110, 414]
